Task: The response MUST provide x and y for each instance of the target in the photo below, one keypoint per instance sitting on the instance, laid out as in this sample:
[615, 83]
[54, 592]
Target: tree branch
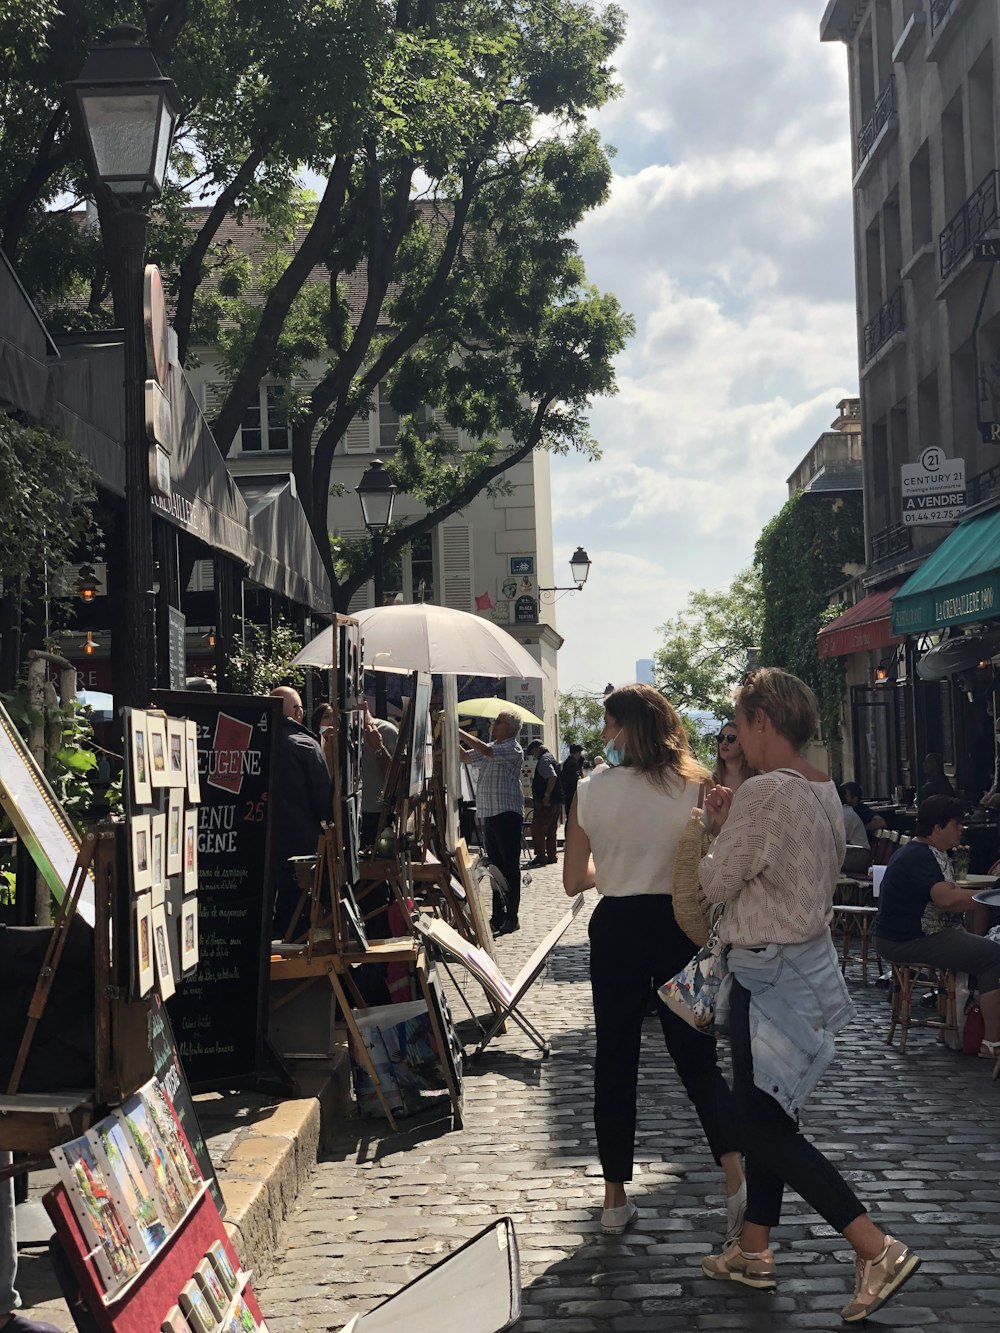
[278, 304]
[48, 160]
[189, 274]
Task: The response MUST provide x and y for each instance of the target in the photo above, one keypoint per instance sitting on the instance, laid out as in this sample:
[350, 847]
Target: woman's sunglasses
[729, 737]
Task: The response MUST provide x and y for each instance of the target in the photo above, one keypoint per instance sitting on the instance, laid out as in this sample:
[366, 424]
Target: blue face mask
[613, 753]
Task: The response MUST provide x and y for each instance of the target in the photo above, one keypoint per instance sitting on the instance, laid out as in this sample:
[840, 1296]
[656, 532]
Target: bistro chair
[944, 1018]
[852, 919]
[884, 844]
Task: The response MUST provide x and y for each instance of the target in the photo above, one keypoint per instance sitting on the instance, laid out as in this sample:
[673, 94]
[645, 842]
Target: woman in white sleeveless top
[621, 837]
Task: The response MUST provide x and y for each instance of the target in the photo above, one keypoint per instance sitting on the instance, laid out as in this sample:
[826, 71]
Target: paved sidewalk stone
[917, 1135]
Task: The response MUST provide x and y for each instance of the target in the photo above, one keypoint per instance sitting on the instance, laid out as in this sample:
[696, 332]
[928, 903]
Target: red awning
[867, 625]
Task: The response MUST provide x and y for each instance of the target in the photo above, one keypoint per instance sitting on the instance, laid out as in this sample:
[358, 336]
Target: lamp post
[124, 111]
[377, 494]
[579, 568]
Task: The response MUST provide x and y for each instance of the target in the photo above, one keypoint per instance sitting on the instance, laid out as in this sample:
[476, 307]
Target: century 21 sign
[933, 489]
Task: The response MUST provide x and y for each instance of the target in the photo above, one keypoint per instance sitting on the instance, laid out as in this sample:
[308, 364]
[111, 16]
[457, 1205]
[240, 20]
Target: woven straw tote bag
[691, 907]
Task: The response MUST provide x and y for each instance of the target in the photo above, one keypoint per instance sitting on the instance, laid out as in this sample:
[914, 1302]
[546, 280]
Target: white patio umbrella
[425, 637]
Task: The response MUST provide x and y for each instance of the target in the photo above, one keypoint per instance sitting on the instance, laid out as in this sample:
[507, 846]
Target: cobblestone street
[917, 1134]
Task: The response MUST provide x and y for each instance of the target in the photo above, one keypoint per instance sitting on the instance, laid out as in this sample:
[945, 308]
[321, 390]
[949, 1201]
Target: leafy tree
[801, 557]
[581, 719]
[262, 658]
[452, 141]
[706, 648]
[49, 494]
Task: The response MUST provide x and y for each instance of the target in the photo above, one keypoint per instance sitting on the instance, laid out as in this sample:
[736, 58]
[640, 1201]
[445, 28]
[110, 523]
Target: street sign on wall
[933, 489]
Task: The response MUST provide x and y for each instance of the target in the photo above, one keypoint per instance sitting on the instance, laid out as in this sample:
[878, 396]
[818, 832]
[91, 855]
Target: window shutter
[451, 435]
[359, 438]
[213, 395]
[202, 576]
[456, 565]
[303, 390]
[365, 595]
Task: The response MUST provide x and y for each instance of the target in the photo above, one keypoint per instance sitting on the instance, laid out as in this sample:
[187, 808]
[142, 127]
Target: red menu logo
[231, 756]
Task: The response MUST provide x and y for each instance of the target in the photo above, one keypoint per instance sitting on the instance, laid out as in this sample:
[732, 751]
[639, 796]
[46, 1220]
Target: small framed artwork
[191, 761]
[175, 831]
[158, 849]
[196, 1308]
[174, 1322]
[141, 788]
[223, 1266]
[142, 862]
[176, 745]
[144, 970]
[189, 933]
[156, 733]
[215, 1292]
[161, 952]
[190, 850]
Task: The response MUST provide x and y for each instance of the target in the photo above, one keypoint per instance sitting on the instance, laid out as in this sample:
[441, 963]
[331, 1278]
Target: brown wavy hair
[655, 741]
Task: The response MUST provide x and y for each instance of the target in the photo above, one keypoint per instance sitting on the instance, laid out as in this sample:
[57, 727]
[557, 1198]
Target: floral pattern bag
[694, 992]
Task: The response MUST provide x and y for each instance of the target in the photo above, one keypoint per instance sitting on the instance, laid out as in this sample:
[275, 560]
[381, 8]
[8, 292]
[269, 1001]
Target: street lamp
[124, 111]
[377, 495]
[579, 568]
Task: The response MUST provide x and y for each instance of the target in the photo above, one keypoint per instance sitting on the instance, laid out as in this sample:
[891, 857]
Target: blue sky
[728, 235]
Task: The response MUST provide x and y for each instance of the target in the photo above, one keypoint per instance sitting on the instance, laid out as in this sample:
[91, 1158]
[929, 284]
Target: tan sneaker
[878, 1279]
[732, 1265]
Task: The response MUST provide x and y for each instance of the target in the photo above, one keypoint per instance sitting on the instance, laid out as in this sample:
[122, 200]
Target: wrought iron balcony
[885, 106]
[983, 485]
[889, 320]
[893, 540]
[939, 12]
[976, 216]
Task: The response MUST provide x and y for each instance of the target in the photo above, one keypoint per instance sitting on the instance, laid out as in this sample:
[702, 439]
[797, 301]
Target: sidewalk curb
[271, 1161]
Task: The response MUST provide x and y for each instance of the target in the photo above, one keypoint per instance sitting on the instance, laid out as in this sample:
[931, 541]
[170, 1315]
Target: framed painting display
[196, 1308]
[139, 776]
[34, 809]
[156, 732]
[142, 864]
[175, 831]
[215, 1292]
[191, 761]
[144, 967]
[90, 1195]
[190, 850]
[174, 1322]
[176, 752]
[225, 1271]
[421, 734]
[158, 849]
[189, 933]
[116, 1151]
[161, 952]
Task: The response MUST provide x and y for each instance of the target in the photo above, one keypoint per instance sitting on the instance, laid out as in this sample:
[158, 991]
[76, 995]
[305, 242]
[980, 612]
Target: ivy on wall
[801, 556]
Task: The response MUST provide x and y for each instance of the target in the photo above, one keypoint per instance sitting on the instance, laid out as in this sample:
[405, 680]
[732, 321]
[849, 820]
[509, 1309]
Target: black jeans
[776, 1153]
[635, 946]
[502, 835]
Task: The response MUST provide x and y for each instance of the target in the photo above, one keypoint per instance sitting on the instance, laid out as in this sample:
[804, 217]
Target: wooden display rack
[33, 1123]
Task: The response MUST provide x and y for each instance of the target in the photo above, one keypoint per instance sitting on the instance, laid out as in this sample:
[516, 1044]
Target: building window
[264, 428]
[388, 421]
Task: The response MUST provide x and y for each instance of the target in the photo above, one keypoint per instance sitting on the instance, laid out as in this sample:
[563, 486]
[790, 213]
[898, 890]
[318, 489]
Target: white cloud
[728, 235]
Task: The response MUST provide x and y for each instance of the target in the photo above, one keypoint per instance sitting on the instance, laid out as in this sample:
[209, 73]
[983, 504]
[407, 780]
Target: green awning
[958, 584]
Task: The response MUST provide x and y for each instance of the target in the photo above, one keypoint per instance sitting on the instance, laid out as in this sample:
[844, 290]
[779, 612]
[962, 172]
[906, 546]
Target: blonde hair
[719, 771]
[655, 742]
[786, 700]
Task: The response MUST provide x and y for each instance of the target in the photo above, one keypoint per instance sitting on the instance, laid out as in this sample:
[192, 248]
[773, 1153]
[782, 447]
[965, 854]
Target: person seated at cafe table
[918, 893]
[852, 795]
[936, 781]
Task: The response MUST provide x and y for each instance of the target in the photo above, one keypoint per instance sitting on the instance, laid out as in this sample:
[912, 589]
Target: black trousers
[502, 835]
[776, 1153]
[635, 946]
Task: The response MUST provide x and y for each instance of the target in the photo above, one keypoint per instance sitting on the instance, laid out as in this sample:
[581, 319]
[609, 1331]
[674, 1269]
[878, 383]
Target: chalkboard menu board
[170, 1074]
[219, 1015]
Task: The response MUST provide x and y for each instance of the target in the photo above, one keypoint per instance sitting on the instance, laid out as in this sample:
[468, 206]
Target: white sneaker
[614, 1221]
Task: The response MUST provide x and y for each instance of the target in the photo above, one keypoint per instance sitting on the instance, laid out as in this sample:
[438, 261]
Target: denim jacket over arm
[799, 1002]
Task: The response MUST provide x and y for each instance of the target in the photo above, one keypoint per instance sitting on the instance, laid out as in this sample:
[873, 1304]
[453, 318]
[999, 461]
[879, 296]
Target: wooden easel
[35, 1122]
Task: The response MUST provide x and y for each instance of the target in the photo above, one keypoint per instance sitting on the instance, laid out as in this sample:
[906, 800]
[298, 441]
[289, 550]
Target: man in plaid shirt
[500, 807]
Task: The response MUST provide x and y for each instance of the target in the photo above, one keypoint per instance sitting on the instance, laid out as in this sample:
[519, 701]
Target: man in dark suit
[304, 802]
